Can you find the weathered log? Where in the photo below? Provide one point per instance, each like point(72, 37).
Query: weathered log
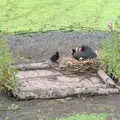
point(46, 84)
point(33, 66)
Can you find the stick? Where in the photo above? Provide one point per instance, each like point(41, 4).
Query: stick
point(106, 79)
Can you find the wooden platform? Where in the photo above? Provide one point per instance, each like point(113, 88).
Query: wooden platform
point(46, 83)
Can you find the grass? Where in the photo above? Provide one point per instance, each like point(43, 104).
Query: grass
point(110, 55)
point(44, 15)
point(86, 117)
point(7, 73)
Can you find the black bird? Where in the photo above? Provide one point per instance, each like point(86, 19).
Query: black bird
point(55, 57)
point(83, 52)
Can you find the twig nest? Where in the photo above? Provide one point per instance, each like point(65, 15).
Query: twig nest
point(69, 65)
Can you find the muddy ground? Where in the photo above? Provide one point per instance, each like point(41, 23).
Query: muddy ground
point(50, 109)
point(40, 46)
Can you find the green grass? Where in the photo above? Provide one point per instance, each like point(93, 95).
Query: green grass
point(86, 117)
point(7, 72)
point(110, 55)
point(44, 15)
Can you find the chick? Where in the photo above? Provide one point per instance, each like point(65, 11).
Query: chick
point(55, 57)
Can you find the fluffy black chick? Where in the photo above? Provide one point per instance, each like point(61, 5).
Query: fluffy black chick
point(55, 57)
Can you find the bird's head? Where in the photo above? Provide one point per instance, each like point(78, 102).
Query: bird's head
point(73, 51)
point(57, 53)
point(82, 48)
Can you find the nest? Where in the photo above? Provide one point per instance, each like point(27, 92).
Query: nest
point(70, 65)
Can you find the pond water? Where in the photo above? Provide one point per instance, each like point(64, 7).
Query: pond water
point(40, 46)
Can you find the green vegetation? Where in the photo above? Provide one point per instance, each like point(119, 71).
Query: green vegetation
point(110, 55)
point(86, 117)
point(7, 73)
point(44, 15)
point(117, 24)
